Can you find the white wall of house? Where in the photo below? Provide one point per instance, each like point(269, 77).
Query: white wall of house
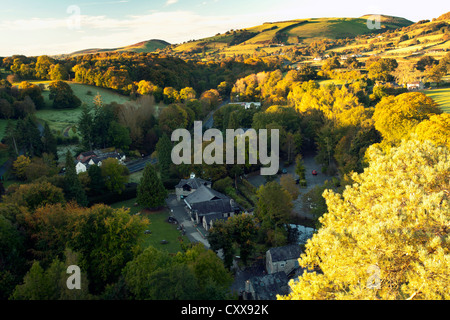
point(80, 167)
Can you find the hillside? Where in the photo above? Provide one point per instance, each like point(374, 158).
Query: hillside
point(144, 46)
point(285, 33)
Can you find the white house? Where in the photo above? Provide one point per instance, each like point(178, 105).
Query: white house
point(80, 167)
point(417, 85)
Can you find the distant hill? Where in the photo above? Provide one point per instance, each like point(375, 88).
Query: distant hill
point(290, 32)
point(144, 46)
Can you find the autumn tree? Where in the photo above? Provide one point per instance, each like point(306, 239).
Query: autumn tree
point(382, 69)
point(384, 237)
point(396, 116)
point(435, 129)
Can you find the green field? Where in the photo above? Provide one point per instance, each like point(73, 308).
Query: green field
point(64, 119)
point(160, 228)
point(441, 96)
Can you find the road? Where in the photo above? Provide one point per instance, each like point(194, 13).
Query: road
point(209, 122)
point(178, 211)
point(312, 181)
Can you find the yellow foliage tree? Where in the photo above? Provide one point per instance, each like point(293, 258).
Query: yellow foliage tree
point(20, 166)
point(397, 116)
point(387, 235)
point(436, 129)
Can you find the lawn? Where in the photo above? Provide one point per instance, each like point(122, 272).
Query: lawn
point(159, 227)
point(441, 96)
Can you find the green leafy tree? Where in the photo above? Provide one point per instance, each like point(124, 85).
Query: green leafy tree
point(151, 192)
point(49, 142)
point(62, 95)
point(115, 175)
point(273, 209)
point(119, 136)
point(12, 257)
point(85, 123)
point(164, 150)
point(104, 227)
point(97, 183)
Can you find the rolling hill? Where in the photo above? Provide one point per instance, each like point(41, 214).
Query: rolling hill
point(144, 46)
point(293, 32)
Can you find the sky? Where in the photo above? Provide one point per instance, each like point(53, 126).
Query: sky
point(32, 27)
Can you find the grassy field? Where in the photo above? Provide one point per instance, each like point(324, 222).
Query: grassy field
point(64, 119)
point(441, 96)
point(159, 227)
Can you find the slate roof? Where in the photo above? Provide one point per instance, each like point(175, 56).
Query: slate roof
point(213, 216)
point(288, 252)
point(267, 287)
point(205, 200)
point(193, 183)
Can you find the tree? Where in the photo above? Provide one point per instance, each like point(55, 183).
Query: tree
point(62, 95)
point(104, 227)
point(384, 237)
point(33, 91)
point(85, 127)
point(273, 209)
point(287, 181)
point(300, 167)
point(220, 237)
point(97, 182)
point(12, 253)
point(114, 174)
point(119, 136)
point(436, 129)
point(20, 165)
point(381, 69)
point(396, 116)
point(73, 189)
point(435, 72)
point(50, 283)
point(187, 94)
point(43, 66)
point(49, 142)
point(137, 272)
point(164, 150)
point(151, 192)
point(35, 195)
point(58, 72)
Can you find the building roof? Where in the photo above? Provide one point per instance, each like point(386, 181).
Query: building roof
point(193, 183)
point(288, 252)
point(206, 200)
point(267, 287)
point(213, 216)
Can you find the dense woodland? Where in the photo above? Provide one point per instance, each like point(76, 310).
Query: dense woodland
point(387, 148)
